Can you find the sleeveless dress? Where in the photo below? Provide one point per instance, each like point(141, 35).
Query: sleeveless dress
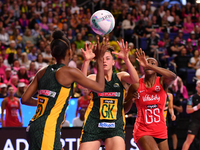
point(104, 117)
point(150, 116)
point(11, 118)
point(44, 128)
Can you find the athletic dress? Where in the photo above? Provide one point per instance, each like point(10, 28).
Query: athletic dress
point(150, 116)
point(194, 124)
point(11, 118)
point(44, 128)
point(105, 117)
point(84, 103)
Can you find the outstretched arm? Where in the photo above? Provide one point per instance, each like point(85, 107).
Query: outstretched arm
point(167, 76)
point(3, 106)
point(88, 56)
point(132, 77)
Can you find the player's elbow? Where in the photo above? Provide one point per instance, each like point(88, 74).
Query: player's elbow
point(23, 100)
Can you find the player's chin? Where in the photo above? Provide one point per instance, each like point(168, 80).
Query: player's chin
point(149, 72)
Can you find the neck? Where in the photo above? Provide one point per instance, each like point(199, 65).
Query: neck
point(150, 80)
point(108, 75)
point(11, 97)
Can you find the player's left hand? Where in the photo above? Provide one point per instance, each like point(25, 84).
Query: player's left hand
point(124, 49)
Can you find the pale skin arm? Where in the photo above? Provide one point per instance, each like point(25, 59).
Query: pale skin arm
point(132, 77)
point(170, 106)
point(190, 110)
point(3, 106)
point(20, 113)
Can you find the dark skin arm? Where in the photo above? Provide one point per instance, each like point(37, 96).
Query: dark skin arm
point(167, 76)
point(130, 97)
point(66, 76)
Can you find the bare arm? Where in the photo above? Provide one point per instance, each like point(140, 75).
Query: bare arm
point(132, 77)
point(3, 106)
point(167, 76)
point(191, 109)
point(170, 106)
point(130, 97)
point(27, 98)
point(20, 113)
point(178, 108)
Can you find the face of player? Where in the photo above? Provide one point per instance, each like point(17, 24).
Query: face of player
point(198, 88)
point(108, 61)
point(151, 61)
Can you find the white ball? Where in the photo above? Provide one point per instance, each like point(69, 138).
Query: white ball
point(102, 22)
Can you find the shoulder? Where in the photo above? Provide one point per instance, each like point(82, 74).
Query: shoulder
point(170, 95)
point(122, 74)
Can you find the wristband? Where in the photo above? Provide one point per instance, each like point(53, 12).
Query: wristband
point(195, 108)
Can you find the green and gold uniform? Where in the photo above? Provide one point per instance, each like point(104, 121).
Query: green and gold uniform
point(105, 117)
point(44, 128)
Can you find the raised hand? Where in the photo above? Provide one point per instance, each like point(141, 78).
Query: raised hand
point(88, 52)
point(123, 54)
point(100, 49)
point(141, 58)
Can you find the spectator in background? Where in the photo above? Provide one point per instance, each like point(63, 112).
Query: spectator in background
point(11, 104)
point(22, 74)
point(14, 82)
point(79, 42)
point(152, 45)
point(24, 60)
point(47, 57)
point(40, 62)
point(188, 26)
point(15, 67)
point(128, 25)
point(2, 67)
point(28, 37)
point(83, 101)
point(78, 121)
point(20, 90)
point(32, 70)
point(4, 37)
point(195, 60)
point(43, 25)
point(175, 47)
point(3, 53)
point(17, 37)
point(181, 39)
point(7, 76)
point(9, 62)
point(32, 56)
point(3, 92)
point(177, 25)
point(189, 47)
point(179, 89)
point(24, 22)
point(182, 61)
point(193, 108)
point(72, 63)
point(11, 48)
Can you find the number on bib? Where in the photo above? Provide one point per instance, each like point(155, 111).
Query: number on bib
point(152, 115)
point(41, 105)
point(108, 108)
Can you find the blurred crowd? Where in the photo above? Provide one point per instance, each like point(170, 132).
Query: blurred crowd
point(26, 27)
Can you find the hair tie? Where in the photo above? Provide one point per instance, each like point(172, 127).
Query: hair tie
point(64, 42)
